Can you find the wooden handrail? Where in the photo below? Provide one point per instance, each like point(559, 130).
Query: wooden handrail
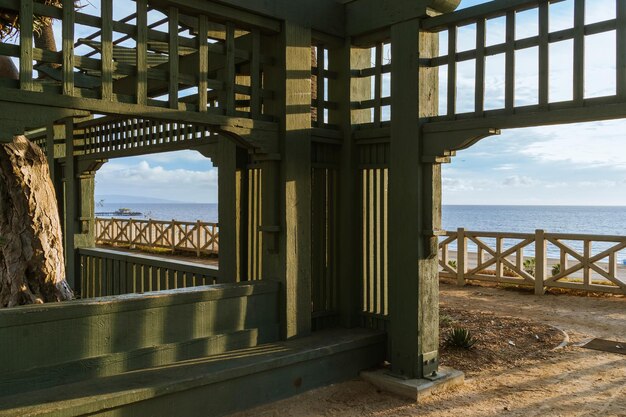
point(575, 266)
point(193, 237)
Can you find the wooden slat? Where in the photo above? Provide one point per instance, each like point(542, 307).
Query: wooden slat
point(255, 75)
point(26, 45)
point(452, 32)
point(579, 51)
point(68, 48)
point(378, 84)
point(107, 49)
point(142, 52)
point(173, 62)
point(509, 86)
point(203, 63)
point(320, 85)
point(229, 88)
point(479, 91)
point(621, 49)
point(544, 54)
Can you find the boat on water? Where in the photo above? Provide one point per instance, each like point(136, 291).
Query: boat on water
point(126, 212)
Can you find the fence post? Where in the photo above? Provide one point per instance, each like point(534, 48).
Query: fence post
point(131, 233)
point(541, 262)
point(198, 238)
point(173, 235)
point(461, 256)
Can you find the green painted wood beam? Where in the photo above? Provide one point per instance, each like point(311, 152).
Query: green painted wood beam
point(323, 15)
point(222, 12)
point(364, 16)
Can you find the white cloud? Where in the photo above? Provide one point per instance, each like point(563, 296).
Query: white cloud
point(143, 179)
point(583, 145)
point(519, 181)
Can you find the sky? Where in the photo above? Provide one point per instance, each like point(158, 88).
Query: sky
point(579, 164)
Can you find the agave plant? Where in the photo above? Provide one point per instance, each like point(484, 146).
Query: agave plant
point(460, 338)
point(10, 21)
point(529, 266)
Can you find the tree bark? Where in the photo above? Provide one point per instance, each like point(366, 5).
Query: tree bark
point(32, 265)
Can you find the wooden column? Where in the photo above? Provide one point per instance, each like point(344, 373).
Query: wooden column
point(286, 192)
point(414, 207)
point(344, 91)
point(241, 196)
point(296, 181)
point(70, 194)
point(227, 208)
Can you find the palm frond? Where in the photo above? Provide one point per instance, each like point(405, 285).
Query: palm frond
point(10, 20)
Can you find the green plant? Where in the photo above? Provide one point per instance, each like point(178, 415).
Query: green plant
point(445, 320)
point(556, 269)
point(460, 338)
point(529, 266)
point(452, 264)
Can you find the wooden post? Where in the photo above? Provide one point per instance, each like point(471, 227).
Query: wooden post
point(227, 208)
point(241, 198)
point(70, 208)
point(26, 45)
point(286, 193)
point(173, 242)
point(414, 207)
point(344, 91)
point(461, 257)
point(68, 48)
point(198, 235)
point(107, 49)
point(142, 52)
point(541, 262)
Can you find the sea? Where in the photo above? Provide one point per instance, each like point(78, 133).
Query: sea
point(595, 220)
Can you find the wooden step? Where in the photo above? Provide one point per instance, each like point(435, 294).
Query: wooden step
point(117, 363)
point(211, 386)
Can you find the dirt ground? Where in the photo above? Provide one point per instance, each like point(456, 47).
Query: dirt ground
point(567, 382)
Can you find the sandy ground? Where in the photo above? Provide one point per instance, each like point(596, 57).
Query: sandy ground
point(570, 382)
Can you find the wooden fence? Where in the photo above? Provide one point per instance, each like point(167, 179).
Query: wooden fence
point(502, 257)
point(196, 237)
point(108, 272)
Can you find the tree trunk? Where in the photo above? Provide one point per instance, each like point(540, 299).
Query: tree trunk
point(32, 266)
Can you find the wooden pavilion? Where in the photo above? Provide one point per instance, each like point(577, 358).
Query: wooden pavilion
point(323, 118)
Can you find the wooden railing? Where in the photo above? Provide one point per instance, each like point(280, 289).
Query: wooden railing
point(195, 237)
point(108, 272)
point(540, 260)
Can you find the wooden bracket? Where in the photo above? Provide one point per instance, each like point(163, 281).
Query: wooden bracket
point(438, 147)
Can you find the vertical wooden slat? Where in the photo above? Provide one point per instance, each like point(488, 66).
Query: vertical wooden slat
point(378, 82)
point(142, 52)
point(385, 209)
point(203, 62)
point(586, 269)
point(452, 31)
point(579, 51)
point(621, 49)
point(68, 48)
point(479, 90)
point(364, 227)
point(230, 69)
point(173, 62)
point(320, 85)
point(107, 49)
point(509, 87)
point(379, 240)
point(541, 261)
point(255, 75)
point(70, 206)
point(544, 54)
point(26, 45)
